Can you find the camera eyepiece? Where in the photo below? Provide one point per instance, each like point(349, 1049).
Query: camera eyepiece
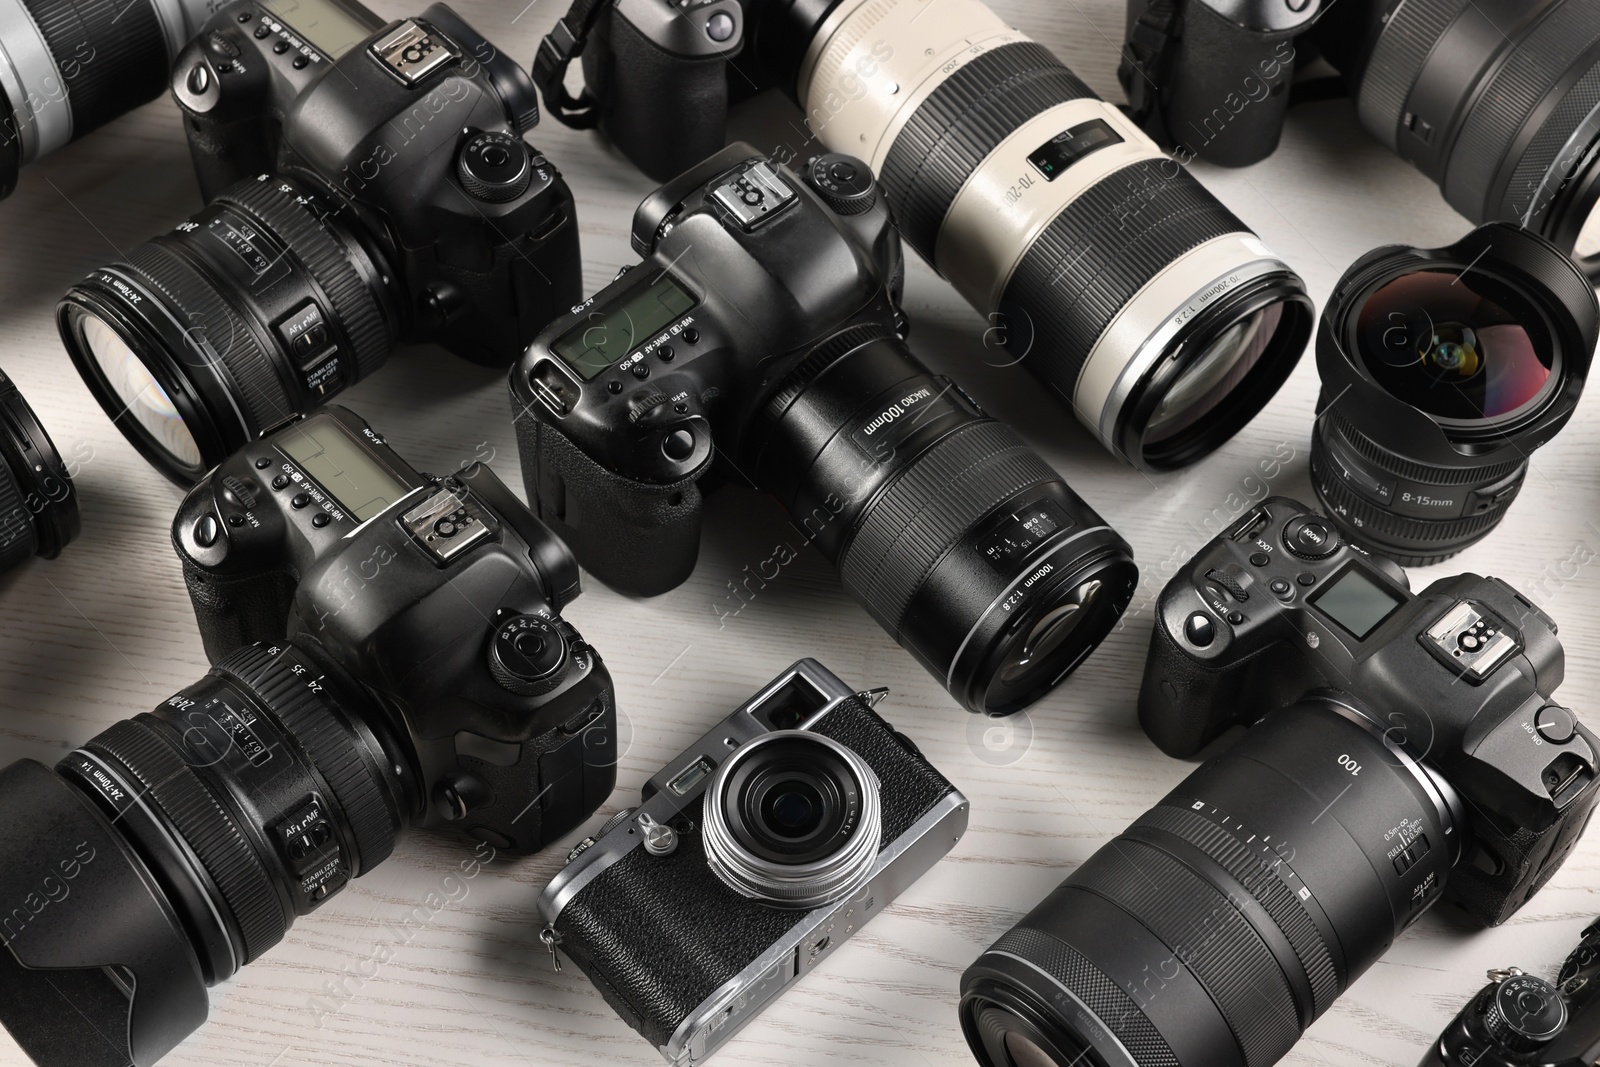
point(1442, 371)
point(38, 503)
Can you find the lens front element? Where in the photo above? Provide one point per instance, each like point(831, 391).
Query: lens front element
point(142, 397)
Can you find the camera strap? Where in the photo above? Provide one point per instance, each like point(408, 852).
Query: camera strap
point(559, 48)
point(1143, 69)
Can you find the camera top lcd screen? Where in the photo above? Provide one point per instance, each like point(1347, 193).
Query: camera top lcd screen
point(345, 470)
point(328, 27)
point(1356, 602)
point(606, 335)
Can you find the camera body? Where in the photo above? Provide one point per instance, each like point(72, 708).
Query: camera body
point(688, 957)
point(436, 597)
point(614, 460)
point(411, 134)
point(1211, 77)
point(1519, 1020)
point(1457, 676)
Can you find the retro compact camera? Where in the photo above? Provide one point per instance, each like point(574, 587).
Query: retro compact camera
point(750, 858)
point(763, 327)
point(1520, 1020)
point(1421, 757)
point(388, 654)
point(367, 185)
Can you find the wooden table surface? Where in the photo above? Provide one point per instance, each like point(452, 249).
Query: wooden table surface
point(106, 631)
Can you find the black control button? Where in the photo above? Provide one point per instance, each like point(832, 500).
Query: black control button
point(678, 445)
point(1310, 538)
point(640, 370)
point(262, 31)
point(235, 520)
point(1200, 630)
point(1259, 559)
point(1236, 617)
point(280, 482)
point(300, 62)
point(691, 336)
point(245, 16)
point(199, 79)
point(1280, 586)
point(665, 353)
point(263, 463)
point(225, 67)
point(614, 386)
point(1555, 724)
point(720, 27)
point(280, 47)
point(300, 500)
point(206, 531)
point(1306, 578)
point(320, 519)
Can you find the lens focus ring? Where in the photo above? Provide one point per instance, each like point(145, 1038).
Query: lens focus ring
point(110, 56)
point(17, 537)
point(1396, 61)
point(202, 821)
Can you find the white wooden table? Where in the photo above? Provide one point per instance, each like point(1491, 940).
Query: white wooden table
point(106, 631)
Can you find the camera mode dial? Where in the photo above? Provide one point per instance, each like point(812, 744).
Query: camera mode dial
point(494, 166)
point(1524, 1013)
point(528, 655)
point(844, 183)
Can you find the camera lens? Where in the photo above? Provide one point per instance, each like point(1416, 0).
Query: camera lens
point(187, 840)
point(260, 307)
point(793, 818)
point(1499, 103)
point(956, 536)
point(1229, 917)
point(1442, 371)
point(1103, 267)
point(38, 504)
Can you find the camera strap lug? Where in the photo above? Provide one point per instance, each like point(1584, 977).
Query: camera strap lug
point(559, 48)
point(873, 697)
point(552, 939)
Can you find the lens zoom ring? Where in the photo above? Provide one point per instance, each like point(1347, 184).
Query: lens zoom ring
point(961, 122)
point(1228, 958)
point(202, 821)
point(111, 55)
point(1533, 175)
point(1099, 994)
point(1538, 61)
point(927, 510)
point(204, 314)
point(355, 310)
point(330, 746)
point(1093, 258)
point(1369, 450)
point(1258, 878)
point(18, 540)
point(1396, 61)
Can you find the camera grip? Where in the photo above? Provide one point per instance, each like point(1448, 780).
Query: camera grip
point(665, 112)
point(234, 612)
point(1501, 870)
point(638, 538)
point(227, 152)
point(1185, 705)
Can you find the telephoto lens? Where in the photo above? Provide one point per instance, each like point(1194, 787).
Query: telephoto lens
point(1229, 917)
point(1103, 265)
point(1442, 371)
point(70, 66)
point(38, 503)
point(1498, 101)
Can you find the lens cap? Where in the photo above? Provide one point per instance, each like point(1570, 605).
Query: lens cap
point(98, 971)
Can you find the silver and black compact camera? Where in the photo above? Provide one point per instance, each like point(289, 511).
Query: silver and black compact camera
point(750, 857)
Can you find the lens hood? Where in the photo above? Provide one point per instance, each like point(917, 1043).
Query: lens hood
point(88, 934)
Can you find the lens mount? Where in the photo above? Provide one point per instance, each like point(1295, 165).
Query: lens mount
point(793, 818)
point(38, 502)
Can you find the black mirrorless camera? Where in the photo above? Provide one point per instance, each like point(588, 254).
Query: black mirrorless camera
point(1421, 756)
point(1520, 1020)
point(763, 328)
point(387, 654)
point(750, 858)
point(367, 184)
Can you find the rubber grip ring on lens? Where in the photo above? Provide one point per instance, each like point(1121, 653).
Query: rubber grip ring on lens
point(204, 823)
point(926, 511)
point(1397, 59)
point(125, 65)
point(330, 746)
point(18, 538)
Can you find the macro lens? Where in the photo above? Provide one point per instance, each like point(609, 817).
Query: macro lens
point(260, 307)
point(1498, 101)
point(1442, 371)
point(70, 66)
point(1229, 917)
point(186, 840)
point(1103, 266)
point(956, 536)
point(38, 505)
point(793, 818)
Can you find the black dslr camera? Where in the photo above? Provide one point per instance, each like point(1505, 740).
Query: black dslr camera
point(1520, 1020)
point(750, 857)
point(367, 185)
point(1420, 757)
point(387, 655)
point(763, 327)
